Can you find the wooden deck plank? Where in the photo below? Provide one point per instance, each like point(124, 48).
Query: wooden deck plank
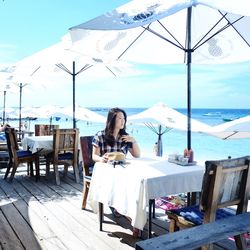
point(18, 224)
point(8, 239)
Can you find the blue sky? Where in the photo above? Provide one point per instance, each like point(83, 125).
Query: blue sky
point(28, 26)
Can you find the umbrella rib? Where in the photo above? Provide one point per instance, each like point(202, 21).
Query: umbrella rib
point(200, 43)
point(235, 132)
point(170, 34)
point(131, 44)
point(164, 38)
point(110, 70)
point(150, 126)
point(219, 31)
point(35, 71)
point(64, 68)
point(85, 67)
point(232, 25)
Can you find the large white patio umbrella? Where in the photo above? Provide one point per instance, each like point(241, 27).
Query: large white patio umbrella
point(170, 31)
point(236, 129)
point(49, 65)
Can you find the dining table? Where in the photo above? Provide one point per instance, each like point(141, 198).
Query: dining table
point(42, 144)
point(131, 187)
point(38, 143)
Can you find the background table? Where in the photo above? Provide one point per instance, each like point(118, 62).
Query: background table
point(129, 188)
point(36, 143)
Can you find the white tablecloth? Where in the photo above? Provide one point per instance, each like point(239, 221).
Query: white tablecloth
point(36, 143)
point(129, 188)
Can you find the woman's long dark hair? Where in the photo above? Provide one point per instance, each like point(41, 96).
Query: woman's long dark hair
point(110, 125)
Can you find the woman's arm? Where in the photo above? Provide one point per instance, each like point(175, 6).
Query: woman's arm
point(135, 150)
point(96, 155)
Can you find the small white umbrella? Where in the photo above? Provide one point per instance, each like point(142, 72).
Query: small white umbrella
point(82, 114)
point(168, 118)
point(236, 129)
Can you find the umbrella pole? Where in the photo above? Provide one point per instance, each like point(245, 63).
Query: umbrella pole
point(20, 108)
point(74, 78)
point(159, 143)
point(189, 61)
point(4, 100)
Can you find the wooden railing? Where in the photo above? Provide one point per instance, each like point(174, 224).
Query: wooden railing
point(200, 235)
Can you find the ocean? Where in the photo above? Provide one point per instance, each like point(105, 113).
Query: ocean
point(205, 147)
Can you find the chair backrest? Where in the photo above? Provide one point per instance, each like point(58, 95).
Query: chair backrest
point(65, 140)
point(44, 129)
point(12, 143)
point(225, 183)
point(86, 149)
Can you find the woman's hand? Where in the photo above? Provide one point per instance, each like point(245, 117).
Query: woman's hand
point(135, 150)
point(104, 158)
point(128, 138)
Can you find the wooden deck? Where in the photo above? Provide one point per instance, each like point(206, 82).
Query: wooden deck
point(42, 215)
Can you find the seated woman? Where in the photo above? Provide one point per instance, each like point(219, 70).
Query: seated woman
point(114, 138)
point(2, 131)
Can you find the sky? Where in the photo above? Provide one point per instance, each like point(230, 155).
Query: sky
point(28, 26)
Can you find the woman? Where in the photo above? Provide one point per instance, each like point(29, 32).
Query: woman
point(114, 138)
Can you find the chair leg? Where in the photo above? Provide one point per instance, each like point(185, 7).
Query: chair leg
point(14, 167)
point(8, 169)
point(85, 194)
point(57, 174)
point(65, 172)
point(30, 167)
point(173, 226)
point(47, 168)
point(240, 242)
point(37, 165)
point(76, 170)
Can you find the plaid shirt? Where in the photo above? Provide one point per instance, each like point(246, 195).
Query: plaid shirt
point(119, 145)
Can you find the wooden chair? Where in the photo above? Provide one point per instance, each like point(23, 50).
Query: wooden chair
point(88, 164)
point(225, 183)
point(16, 156)
point(65, 152)
point(44, 129)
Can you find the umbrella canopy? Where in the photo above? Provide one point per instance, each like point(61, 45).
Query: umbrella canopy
point(236, 129)
point(168, 117)
point(176, 31)
point(82, 114)
point(49, 67)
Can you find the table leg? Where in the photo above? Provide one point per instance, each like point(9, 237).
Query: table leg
point(154, 209)
point(100, 214)
point(150, 204)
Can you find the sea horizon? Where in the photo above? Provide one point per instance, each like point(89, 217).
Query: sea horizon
point(205, 147)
